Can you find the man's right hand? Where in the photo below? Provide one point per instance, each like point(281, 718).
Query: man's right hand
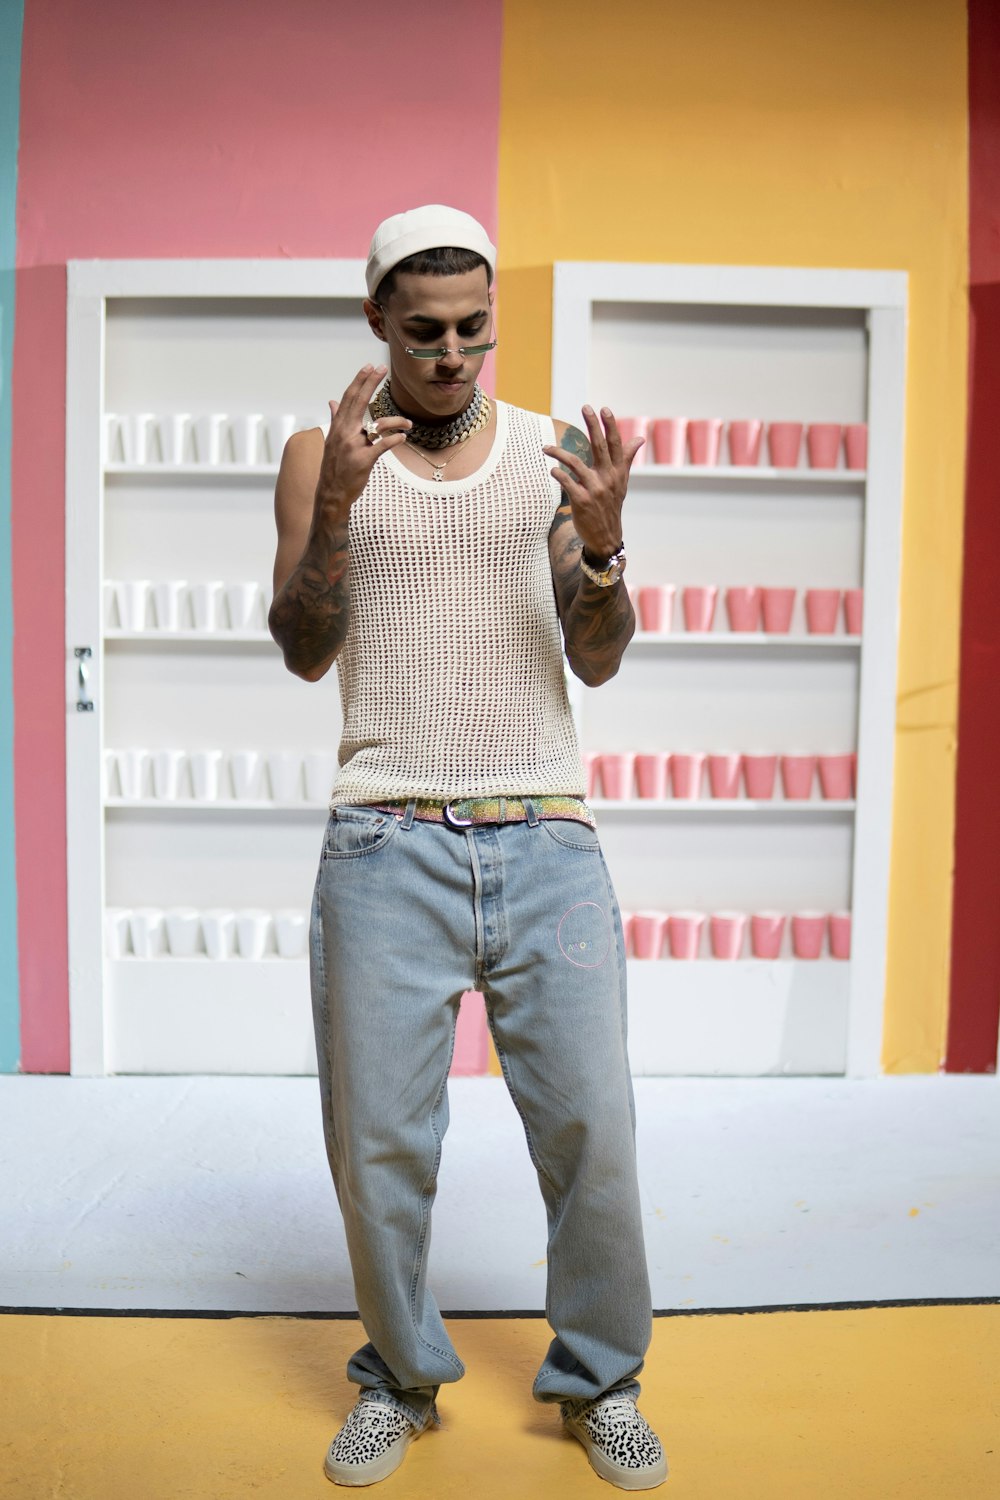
point(317, 485)
point(348, 453)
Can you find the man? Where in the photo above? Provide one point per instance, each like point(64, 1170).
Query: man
point(426, 547)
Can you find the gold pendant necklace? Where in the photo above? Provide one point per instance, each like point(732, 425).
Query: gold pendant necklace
point(436, 464)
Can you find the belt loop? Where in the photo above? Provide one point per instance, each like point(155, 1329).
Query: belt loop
point(529, 812)
point(411, 808)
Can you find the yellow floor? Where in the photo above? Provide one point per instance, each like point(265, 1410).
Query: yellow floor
point(868, 1404)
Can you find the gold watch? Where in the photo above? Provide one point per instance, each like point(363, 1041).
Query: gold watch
point(611, 571)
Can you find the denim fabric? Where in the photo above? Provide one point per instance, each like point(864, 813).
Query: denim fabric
point(406, 916)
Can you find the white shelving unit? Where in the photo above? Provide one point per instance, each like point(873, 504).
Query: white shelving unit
point(778, 344)
point(197, 337)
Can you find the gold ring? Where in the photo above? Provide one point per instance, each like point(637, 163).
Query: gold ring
point(371, 432)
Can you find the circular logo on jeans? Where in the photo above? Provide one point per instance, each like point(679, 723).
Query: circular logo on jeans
point(584, 935)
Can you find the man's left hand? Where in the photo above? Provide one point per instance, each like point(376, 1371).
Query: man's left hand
point(596, 489)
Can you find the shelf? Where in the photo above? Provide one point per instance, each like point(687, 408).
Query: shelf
point(193, 471)
point(699, 640)
point(682, 806)
point(738, 473)
point(723, 806)
point(184, 637)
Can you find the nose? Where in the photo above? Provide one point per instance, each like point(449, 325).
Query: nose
point(454, 359)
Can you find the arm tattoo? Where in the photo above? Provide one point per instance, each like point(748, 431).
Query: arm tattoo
point(310, 612)
point(597, 623)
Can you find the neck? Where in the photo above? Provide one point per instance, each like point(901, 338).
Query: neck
point(425, 419)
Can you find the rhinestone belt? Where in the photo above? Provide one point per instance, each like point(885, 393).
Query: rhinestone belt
point(466, 812)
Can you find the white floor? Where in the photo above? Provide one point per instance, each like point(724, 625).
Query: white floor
point(213, 1193)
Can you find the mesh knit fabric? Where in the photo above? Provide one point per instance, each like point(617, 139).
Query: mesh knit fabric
point(451, 674)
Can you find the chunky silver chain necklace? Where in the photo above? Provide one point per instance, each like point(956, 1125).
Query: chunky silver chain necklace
point(473, 419)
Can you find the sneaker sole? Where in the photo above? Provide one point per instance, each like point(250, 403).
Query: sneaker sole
point(624, 1479)
point(373, 1472)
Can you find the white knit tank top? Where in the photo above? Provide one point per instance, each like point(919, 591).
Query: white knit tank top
point(451, 673)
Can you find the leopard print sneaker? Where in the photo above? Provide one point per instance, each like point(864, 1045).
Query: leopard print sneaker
point(621, 1445)
point(371, 1443)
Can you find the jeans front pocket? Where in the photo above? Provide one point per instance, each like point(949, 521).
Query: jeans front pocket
point(572, 834)
point(356, 831)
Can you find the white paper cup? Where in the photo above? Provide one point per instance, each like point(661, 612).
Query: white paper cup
point(219, 928)
point(284, 771)
point(183, 924)
point(211, 437)
point(290, 928)
point(109, 605)
point(182, 446)
point(167, 768)
point(133, 773)
point(148, 440)
point(206, 604)
point(248, 435)
point(320, 768)
point(253, 927)
point(117, 439)
point(146, 928)
point(112, 786)
point(246, 767)
point(206, 774)
point(117, 932)
point(168, 603)
point(279, 430)
point(242, 599)
point(132, 599)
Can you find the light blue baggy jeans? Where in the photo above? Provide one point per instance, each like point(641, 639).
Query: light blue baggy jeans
point(407, 915)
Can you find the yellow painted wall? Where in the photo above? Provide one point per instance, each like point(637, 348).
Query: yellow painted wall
point(786, 132)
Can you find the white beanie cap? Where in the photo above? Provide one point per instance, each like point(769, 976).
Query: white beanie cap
point(431, 227)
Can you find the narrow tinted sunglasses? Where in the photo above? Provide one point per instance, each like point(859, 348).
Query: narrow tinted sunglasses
point(442, 350)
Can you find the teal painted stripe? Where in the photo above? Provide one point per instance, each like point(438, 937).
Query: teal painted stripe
point(11, 31)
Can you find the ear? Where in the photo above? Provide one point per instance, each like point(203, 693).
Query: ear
point(374, 315)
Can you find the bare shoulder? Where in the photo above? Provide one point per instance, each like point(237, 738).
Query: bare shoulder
point(298, 472)
point(573, 440)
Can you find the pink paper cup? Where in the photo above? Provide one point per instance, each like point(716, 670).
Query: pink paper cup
point(808, 932)
point(835, 777)
point(704, 439)
point(777, 607)
point(854, 601)
point(616, 774)
point(627, 919)
point(743, 606)
point(840, 934)
point(759, 774)
point(767, 932)
point(823, 444)
point(727, 929)
point(685, 775)
point(822, 609)
point(724, 775)
point(669, 440)
point(684, 933)
point(854, 773)
point(651, 774)
point(656, 607)
point(591, 772)
point(856, 445)
point(699, 607)
point(647, 933)
point(797, 775)
point(784, 444)
point(744, 443)
point(634, 427)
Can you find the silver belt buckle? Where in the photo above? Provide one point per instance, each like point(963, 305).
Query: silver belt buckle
point(452, 820)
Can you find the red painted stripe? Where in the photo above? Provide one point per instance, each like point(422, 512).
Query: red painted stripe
point(975, 964)
point(239, 128)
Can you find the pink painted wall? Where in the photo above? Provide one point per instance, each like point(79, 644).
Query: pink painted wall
point(238, 128)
